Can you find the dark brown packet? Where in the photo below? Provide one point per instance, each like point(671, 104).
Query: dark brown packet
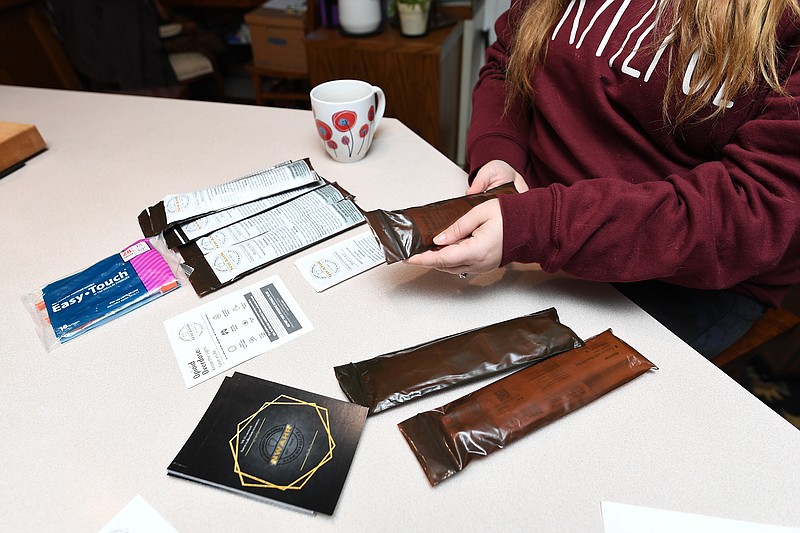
point(411, 231)
point(397, 377)
point(446, 439)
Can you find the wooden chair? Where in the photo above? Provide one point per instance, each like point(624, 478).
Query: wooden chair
point(279, 87)
point(30, 52)
point(33, 54)
point(191, 59)
point(774, 339)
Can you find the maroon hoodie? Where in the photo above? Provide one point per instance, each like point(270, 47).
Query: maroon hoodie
point(616, 194)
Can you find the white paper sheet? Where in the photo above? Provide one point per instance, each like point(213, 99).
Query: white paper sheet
point(341, 261)
point(215, 337)
point(267, 182)
point(138, 517)
point(626, 518)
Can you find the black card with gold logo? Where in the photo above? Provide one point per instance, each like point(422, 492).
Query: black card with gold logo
point(272, 441)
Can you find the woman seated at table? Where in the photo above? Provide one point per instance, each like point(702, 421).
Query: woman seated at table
point(655, 144)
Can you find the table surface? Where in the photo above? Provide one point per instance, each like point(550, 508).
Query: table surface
point(95, 422)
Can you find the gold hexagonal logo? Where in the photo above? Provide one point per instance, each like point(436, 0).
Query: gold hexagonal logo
point(282, 445)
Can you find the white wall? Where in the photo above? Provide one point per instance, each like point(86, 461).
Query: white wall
point(472, 59)
point(493, 9)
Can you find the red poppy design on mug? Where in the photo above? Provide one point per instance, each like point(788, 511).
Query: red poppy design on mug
point(344, 120)
point(325, 131)
point(346, 142)
point(363, 132)
point(333, 146)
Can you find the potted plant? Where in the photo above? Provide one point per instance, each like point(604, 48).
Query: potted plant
point(413, 16)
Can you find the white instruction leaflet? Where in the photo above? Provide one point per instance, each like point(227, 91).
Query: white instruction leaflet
point(199, 227)
point(261, 239)
point(341, 261)
point(138, 516)
point(267, 182)
point(627, 518)
point(217, 336)
point(308, 218)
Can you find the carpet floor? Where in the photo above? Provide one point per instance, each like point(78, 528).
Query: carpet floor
point(782, 395)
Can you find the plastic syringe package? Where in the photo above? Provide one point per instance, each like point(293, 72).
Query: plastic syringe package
point(118, 284)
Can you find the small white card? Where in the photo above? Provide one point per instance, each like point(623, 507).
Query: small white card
point(217, 336)
point(341, 261)
point(626, 518)
point(138, 517)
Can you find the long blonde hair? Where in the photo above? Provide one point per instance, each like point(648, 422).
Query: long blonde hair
point(735, 39)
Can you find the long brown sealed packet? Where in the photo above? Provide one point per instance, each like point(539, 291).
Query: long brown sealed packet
point(447, 439)
point(397, 377)
point(411, 231)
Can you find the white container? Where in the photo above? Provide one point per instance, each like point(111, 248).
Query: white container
point(359, 17)
point(413, 19)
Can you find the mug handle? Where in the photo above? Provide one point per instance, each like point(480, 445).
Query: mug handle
point(378, 93)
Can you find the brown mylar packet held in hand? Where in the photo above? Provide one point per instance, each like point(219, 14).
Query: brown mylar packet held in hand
point(397, 377)
point(411, 231)
point(446, 439)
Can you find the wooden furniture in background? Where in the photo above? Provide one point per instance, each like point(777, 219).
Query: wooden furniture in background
point(275, 87)
point(30, 52)
point(419, 76)
point(774, 338)
point(191, 59)
point(225, 4)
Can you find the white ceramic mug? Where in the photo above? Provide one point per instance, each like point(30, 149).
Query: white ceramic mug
point(347, 113)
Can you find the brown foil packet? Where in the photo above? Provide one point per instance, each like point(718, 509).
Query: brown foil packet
point(411, 231)
point(446, 439)
point(397, 377)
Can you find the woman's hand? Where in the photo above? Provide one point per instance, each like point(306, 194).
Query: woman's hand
point(496, 173)
point(474, 243)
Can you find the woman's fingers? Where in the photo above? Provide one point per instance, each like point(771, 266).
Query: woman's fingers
point(474, 243)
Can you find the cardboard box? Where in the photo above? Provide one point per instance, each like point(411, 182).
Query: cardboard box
point(277, 39)
point(18, 142)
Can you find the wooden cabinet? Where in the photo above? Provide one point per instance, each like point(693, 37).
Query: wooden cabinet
point(420, 76)
point(225, 4)
point(30, 52)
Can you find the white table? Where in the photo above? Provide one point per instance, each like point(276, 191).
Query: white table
point(90, 425)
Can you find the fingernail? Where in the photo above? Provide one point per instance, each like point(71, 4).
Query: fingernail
point(440, 239)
